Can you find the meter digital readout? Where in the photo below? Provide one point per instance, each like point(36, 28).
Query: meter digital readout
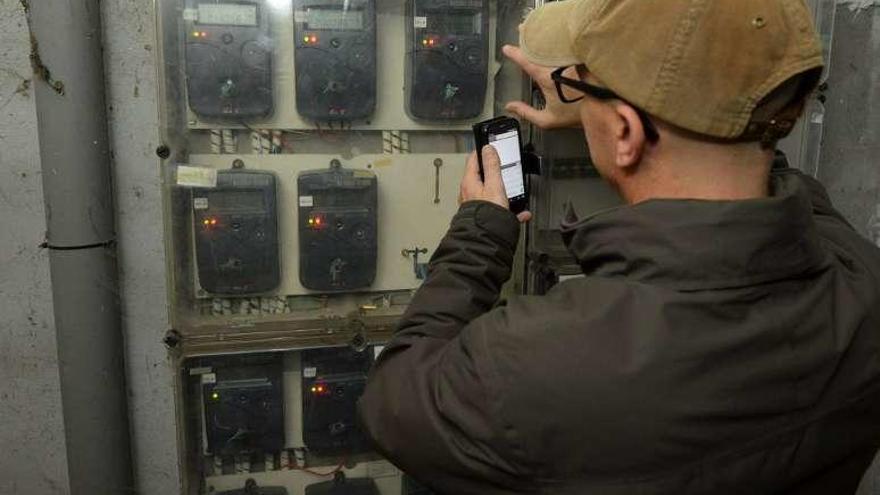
point(226, 14)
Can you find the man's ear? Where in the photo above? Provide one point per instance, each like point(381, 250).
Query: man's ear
point(629, 137)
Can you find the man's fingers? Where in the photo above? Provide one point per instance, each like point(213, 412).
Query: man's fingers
point(517, 56)
point(472, 169)
point(492, 170)
point(471, 184)
point(524, 217)
point(530, 113)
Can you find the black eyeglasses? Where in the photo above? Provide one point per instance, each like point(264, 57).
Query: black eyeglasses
point(600, 94)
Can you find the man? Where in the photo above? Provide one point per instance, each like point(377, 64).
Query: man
point(726, 337)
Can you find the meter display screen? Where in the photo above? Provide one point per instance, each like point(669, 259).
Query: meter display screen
point(461, 24)
point(335, 19)
point(239, 200)
point(228, 14)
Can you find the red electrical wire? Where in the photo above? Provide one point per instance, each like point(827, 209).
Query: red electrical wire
point(292, 465)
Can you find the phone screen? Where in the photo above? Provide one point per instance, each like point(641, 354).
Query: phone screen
point(507, 146)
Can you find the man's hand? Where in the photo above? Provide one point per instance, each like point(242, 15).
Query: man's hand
point(555, 113)
point(492, 188)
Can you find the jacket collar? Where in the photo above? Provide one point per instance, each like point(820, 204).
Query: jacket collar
point(697, 245)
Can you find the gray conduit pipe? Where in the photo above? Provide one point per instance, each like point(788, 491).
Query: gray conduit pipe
point(67, 57)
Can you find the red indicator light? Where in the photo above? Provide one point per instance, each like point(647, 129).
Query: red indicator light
point(314, 39)
point(213, 221)
point(318, 221)
point(432, 41)
point(204, 34)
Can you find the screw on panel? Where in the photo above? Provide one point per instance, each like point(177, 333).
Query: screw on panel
point(358, 342)
point(238, 163)
point(163, 152)
point(172, 338)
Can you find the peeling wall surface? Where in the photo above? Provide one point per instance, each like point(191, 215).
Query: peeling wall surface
point(31, 427)
point(854, 5)
point(850, 158)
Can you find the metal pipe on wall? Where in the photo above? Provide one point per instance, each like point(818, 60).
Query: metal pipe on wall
point(67, 57)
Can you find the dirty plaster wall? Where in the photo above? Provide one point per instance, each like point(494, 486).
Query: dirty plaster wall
point(31, 427)
point(849, 163)
point(130, 58)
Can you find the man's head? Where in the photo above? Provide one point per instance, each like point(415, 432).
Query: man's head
point(661, 83)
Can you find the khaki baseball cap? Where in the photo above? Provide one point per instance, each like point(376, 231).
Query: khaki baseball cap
point(708, 66)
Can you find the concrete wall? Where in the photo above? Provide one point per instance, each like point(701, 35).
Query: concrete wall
point(31, 429)
point(849, 164)
point(130, 58)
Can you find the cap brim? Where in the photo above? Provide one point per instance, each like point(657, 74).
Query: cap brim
point(545, 36)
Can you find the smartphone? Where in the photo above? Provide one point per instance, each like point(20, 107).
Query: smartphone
point(503, 134)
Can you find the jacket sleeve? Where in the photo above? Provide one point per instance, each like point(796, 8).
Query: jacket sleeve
point(430, 405)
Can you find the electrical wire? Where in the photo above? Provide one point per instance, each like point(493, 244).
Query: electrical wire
point(332, 136)
point(229, 144)
point(337, 469)
point(395, 142)
point(216, 141)
point(276, 142)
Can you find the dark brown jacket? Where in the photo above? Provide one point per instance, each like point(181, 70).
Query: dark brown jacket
point(713, 347)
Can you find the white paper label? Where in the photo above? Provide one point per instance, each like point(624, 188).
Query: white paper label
point(190, 14)
point(306, 201)
point(196, 176)
point(420, 22)
point(310, 372)
point(300, 16)
point(208, 378)
point(200, 203)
